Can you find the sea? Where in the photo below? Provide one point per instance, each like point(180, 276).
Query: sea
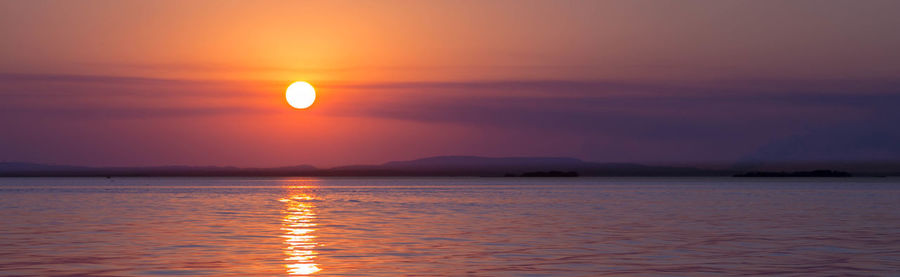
point(449, 226)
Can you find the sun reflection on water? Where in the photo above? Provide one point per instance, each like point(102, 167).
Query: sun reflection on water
point(298, 226)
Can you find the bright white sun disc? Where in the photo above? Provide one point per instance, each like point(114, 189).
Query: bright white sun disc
point(300, 95)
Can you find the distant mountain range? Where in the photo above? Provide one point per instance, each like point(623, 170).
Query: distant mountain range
point(433, 166)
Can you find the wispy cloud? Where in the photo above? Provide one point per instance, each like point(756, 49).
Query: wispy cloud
point(707, 118)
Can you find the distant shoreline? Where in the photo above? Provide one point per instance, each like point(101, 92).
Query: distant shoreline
point(442, 176)
point(441, 166)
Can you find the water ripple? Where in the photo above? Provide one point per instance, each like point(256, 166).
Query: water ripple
point(447, 227)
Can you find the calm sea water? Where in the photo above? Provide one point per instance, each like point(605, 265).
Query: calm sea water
point(449, 227)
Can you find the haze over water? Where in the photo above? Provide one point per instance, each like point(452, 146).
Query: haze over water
point(443, 226)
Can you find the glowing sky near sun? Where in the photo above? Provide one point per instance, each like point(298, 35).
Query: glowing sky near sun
point(202, 82)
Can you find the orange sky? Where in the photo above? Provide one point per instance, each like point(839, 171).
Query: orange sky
point(201, 82)
point(376, 41)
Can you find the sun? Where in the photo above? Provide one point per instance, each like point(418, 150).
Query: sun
point(300, 95)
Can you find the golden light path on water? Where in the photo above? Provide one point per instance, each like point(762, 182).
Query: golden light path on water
point(299, 226)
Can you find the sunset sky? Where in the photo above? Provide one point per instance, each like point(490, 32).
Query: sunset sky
point(135, 83)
